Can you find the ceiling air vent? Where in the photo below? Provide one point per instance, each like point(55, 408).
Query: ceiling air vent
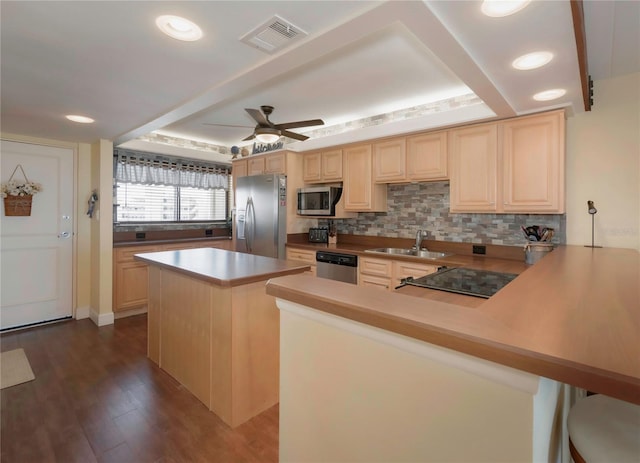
point(273, 35)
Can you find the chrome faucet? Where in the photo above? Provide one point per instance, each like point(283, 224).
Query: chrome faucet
point(420, 235)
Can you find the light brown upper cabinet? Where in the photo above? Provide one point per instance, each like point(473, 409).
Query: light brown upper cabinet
point(322, 167)
point(427, 157)
point(418, 158)
point(390, 161)
point(255, 165)
point(473, 158)
point(513, 166)
point(533, 149)
point(239, 168)
point(275, 163)
point(360, 193)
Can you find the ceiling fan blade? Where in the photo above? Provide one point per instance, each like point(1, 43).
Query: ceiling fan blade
point(258, 116)
point(227, 125)
point(294, 125)
point(250, 137)
point(296, 136)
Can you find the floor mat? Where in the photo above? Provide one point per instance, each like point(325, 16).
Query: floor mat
point(14, 368)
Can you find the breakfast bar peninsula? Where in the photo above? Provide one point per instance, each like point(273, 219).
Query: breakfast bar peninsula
point(212, 326)
point(370, 375)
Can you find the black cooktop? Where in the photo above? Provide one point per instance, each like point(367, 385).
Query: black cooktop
point(471, 282)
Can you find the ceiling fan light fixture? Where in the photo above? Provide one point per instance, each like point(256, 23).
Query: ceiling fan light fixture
point(267, 135)
point(532, 60)
point(179, 28)
point(502, 8)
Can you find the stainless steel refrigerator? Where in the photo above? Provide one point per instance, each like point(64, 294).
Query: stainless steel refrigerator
point(261, 215)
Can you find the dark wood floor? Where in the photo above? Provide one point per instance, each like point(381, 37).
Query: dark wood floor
point(96, 397)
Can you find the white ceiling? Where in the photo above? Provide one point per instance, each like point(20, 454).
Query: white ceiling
point(107, 60)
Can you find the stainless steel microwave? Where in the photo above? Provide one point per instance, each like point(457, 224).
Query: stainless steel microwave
point(320, 200)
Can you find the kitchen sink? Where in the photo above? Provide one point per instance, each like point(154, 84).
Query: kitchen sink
point(421, 253)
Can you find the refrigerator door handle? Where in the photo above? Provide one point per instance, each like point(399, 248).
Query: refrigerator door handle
point(250, 220)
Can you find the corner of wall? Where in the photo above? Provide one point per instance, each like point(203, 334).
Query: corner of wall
point(83, 312)
point(102, 232)
point(101, 319)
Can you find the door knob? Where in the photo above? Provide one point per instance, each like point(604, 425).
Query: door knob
point(64, 235)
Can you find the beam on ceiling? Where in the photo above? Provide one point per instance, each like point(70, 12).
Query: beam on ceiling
point(577, 12)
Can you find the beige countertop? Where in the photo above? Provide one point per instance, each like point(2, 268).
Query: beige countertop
point(573, 317)
point(222, 268)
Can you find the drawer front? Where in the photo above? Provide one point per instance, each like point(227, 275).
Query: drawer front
point(126, 254)
point(404, 270)
point(305, 256)
point(377, 267)
point(375, 282)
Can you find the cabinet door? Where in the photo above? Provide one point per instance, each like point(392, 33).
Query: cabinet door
point(427, 157)
point(357, 186)
point(360, 193)
point(533, 164)
point(275, 164)
point(389, 161)
point(131, 280)
point(332, 166)
point(239, 168)
point(312, 167)
point(255, 166)
point(473, 160)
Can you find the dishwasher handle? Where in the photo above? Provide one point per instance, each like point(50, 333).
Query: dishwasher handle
point(348, 260)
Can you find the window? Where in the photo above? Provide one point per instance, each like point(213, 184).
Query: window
point(152, 190)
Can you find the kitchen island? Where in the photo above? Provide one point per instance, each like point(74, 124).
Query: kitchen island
point(214, 329)
point(413, 379)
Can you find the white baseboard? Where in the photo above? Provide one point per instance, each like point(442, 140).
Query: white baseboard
point(101, 319)
point(83, 312)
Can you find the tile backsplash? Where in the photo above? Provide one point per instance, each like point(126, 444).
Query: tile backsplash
point(426, 206)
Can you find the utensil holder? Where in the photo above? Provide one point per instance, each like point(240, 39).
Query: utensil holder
point(533, 251)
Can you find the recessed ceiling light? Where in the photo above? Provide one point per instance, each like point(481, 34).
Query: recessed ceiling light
point(81, 119)
point(549, 94)
point(500, 8)
point(532, 60)
point(179, 28)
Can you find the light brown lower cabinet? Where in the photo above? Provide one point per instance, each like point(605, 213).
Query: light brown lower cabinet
point(387, 274)
point(303, 255)
point(131, 277)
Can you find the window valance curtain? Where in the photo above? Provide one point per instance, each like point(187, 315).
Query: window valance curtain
point(149, 169)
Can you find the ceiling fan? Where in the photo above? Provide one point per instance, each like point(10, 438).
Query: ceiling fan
point(268, 132)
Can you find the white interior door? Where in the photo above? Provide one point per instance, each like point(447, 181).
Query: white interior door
point(36, 251)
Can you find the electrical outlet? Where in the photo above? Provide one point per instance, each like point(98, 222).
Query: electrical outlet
point(140, 235)
point(208, 232)
point(479, 249)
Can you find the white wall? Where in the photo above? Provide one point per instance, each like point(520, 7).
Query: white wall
point(603, 165)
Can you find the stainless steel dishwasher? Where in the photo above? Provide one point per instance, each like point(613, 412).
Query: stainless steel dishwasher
point(336, 266)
